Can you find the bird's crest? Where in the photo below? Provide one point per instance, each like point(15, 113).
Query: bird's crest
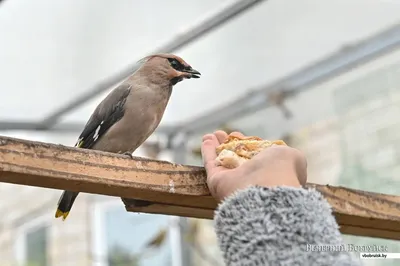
point(162, 55)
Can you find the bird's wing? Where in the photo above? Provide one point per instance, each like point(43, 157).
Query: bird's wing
point(107, 113)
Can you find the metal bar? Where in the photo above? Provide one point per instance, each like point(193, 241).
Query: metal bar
point(25, 125)
point(205, 25)
point(179, 154)
point(340, 62)
point(61, 127)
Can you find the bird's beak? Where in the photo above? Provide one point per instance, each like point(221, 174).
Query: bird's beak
point(191, 73)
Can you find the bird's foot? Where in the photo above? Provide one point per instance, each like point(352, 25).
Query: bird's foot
point(136, 203)
point(128, 154)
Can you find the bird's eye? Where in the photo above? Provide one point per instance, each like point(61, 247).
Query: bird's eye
point(174, 63)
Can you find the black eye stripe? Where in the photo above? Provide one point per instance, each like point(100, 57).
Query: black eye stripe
point(176, 64)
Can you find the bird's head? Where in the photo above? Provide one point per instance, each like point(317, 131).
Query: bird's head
point(169, 66)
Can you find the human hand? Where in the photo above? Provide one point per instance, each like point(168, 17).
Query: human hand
point(275, 166)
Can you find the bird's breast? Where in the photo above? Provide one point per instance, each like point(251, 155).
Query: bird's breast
point(142, 125)
point(142, 116)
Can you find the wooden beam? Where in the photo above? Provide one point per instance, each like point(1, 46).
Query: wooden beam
point(363, 213)
point(176, 189)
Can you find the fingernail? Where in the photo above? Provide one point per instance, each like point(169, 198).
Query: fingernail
point(207, 137)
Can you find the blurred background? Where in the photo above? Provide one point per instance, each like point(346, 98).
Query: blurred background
point(323, 75)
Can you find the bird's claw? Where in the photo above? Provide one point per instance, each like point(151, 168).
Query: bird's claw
point(128, 154)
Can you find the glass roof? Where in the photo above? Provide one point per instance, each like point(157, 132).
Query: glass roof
point(59, 50)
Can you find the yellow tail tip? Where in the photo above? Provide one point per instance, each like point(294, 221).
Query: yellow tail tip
point(61, 214)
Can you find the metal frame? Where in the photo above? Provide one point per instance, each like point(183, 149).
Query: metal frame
point(27, 125)
point(21, 232)
point(345, 59)
point(179, 156)
point(336, 64)
point(212, 21)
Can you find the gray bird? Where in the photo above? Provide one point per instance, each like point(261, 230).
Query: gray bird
point(131, 112)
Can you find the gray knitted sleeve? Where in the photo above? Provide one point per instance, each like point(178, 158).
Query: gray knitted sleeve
point(277, 226)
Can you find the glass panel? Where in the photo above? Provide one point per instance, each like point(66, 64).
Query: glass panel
point(36, 247)
point(127, 235)
point(53, 49)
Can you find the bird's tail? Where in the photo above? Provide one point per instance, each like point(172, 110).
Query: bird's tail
point(65, 204)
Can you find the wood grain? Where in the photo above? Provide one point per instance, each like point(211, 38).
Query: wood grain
point(176, 189)
point(363, 213)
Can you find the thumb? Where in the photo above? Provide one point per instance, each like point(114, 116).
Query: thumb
point(209, 154)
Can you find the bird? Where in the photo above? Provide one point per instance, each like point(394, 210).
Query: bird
point(131, 112)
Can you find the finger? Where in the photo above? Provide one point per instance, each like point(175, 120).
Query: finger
point(236, 133)
point(210, 142)
point(207, 137)
point(221, 136)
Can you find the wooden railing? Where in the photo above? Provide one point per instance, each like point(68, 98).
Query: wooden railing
point(176, 189)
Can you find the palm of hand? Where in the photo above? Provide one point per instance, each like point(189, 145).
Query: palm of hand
point(275, 166)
